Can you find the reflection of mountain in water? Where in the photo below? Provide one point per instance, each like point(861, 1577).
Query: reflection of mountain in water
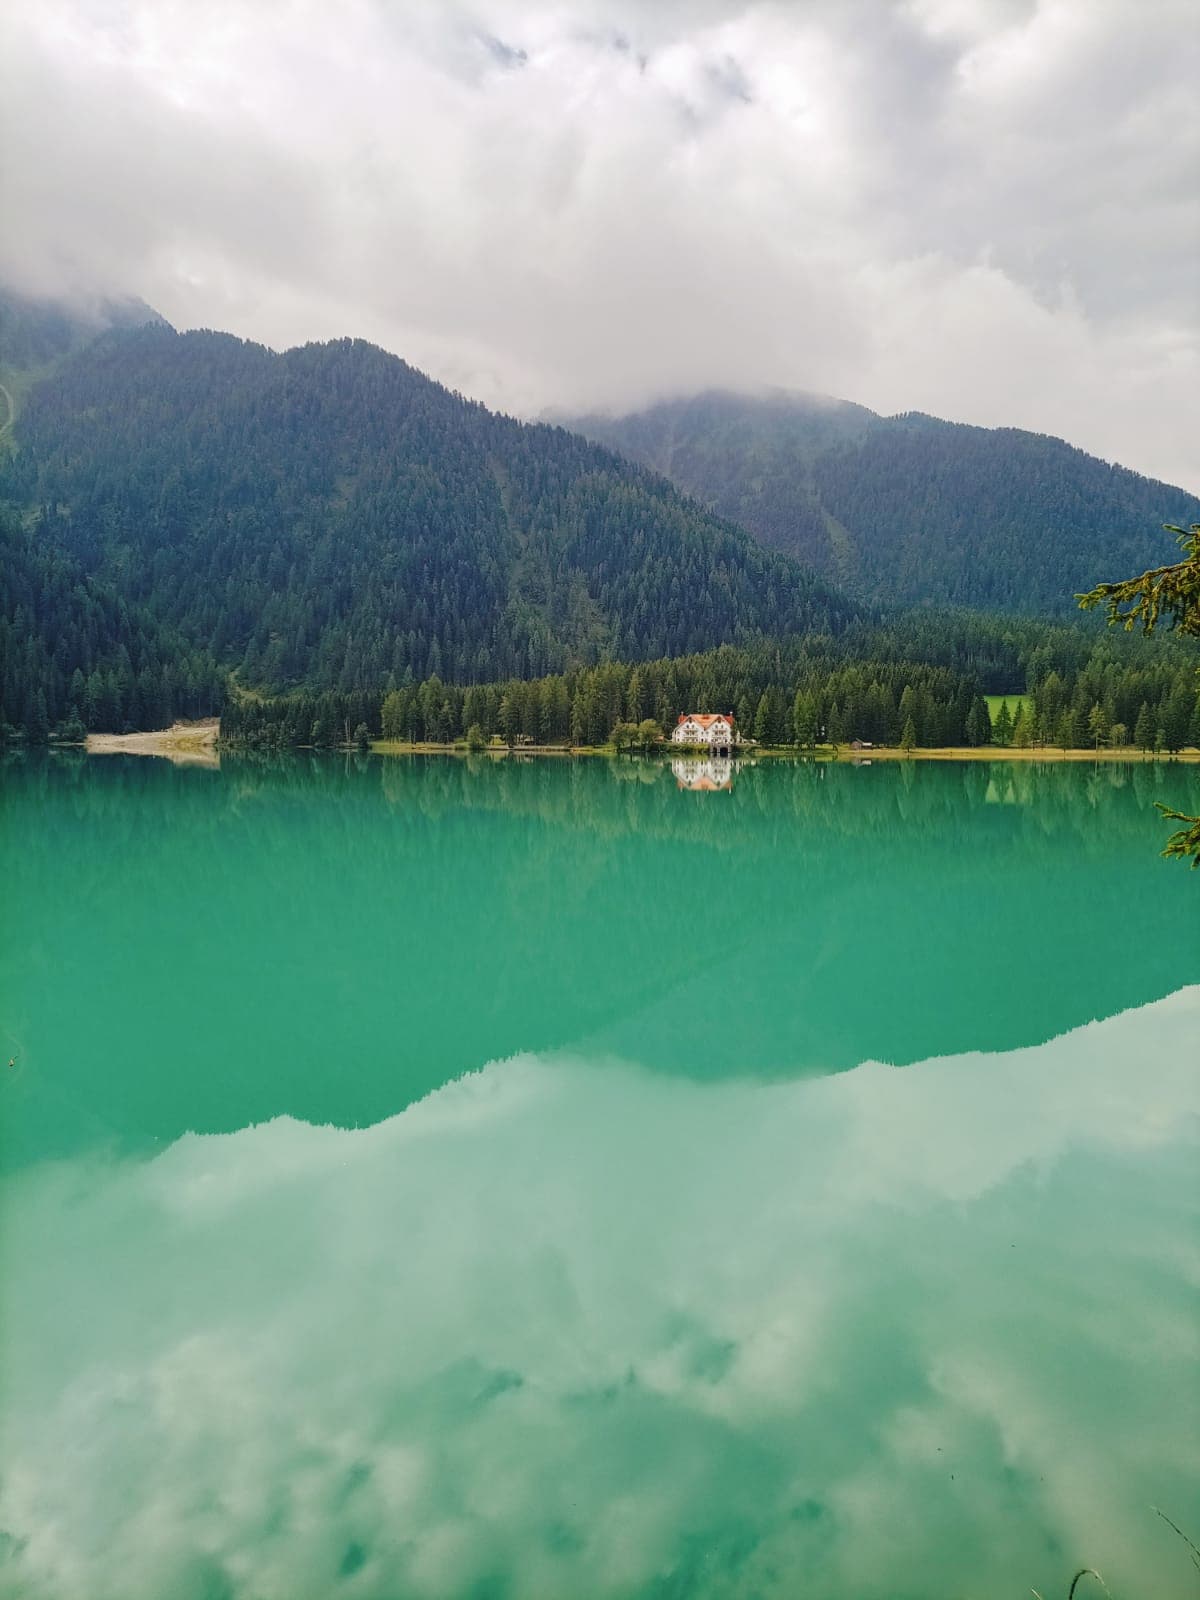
point(568, 1330)
point(704, 773)
point(336, 937)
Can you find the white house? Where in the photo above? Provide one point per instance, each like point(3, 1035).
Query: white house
point(717, 732)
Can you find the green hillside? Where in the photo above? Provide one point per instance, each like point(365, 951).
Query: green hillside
point(329, 518)
point(36, 336)
point(908, 510)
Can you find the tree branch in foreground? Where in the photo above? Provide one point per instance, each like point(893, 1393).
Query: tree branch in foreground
point(1170, 595)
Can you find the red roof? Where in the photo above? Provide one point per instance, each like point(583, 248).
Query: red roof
point(704, 721)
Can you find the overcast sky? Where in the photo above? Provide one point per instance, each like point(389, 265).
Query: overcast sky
point(987, 209)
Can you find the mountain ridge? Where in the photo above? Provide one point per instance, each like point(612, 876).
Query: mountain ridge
point(183, 507)
point(909, 509)
point(328, 517)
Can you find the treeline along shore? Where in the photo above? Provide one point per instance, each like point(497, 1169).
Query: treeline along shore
point(1070, 690)
point(917, 680)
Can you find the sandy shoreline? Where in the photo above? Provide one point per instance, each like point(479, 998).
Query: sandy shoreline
point(185, 743)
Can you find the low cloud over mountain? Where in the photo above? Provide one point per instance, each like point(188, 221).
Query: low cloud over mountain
point(983, 209)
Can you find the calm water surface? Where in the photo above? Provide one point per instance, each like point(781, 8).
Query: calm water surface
point(431, 1178)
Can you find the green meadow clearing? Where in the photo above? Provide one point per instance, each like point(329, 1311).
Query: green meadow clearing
point(995, 701)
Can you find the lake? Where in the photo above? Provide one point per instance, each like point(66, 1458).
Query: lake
point(437, 1177)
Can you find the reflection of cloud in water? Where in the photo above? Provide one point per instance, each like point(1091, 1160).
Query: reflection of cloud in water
point(574, 1330)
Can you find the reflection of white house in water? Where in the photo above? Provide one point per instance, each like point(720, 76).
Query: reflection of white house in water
point(703, 772)
point(716, 731)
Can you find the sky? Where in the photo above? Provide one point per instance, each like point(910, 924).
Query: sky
point(984, 209)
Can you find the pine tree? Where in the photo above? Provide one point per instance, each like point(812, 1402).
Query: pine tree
point(908, 739)
point(1050, 699)
point(636, 697)
point(510, 715)
point(392, 715)
point(37, 724)
point(762, 719)
point(1176, 718)
point(1002, 728)
point(979, 723)
point(804, 719)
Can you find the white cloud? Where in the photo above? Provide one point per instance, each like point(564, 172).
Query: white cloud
point(985, 208)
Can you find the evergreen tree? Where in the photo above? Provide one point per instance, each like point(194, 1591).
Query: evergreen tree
point(393, 715)
point(37, 725)
point(1175, 718)
point(804, 719)
point(762, 719)
point(979, 723)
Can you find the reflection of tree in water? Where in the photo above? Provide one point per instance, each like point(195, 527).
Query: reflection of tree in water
point(363, 929)
point(591, 793)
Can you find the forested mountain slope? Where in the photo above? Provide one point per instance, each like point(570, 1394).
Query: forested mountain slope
point(34, 332)
point(908, 510)
point(75, 653)
point(331, 518)
point(36, 336)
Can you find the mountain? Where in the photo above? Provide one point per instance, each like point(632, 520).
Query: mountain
point(37, 335)
point(908, 510)
point(34, 332)
point(329, 517)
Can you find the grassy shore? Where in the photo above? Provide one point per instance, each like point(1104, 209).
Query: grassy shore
point(995, 752)
point(989, 752)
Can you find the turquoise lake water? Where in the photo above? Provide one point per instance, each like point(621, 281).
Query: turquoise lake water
point(427, 1177)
